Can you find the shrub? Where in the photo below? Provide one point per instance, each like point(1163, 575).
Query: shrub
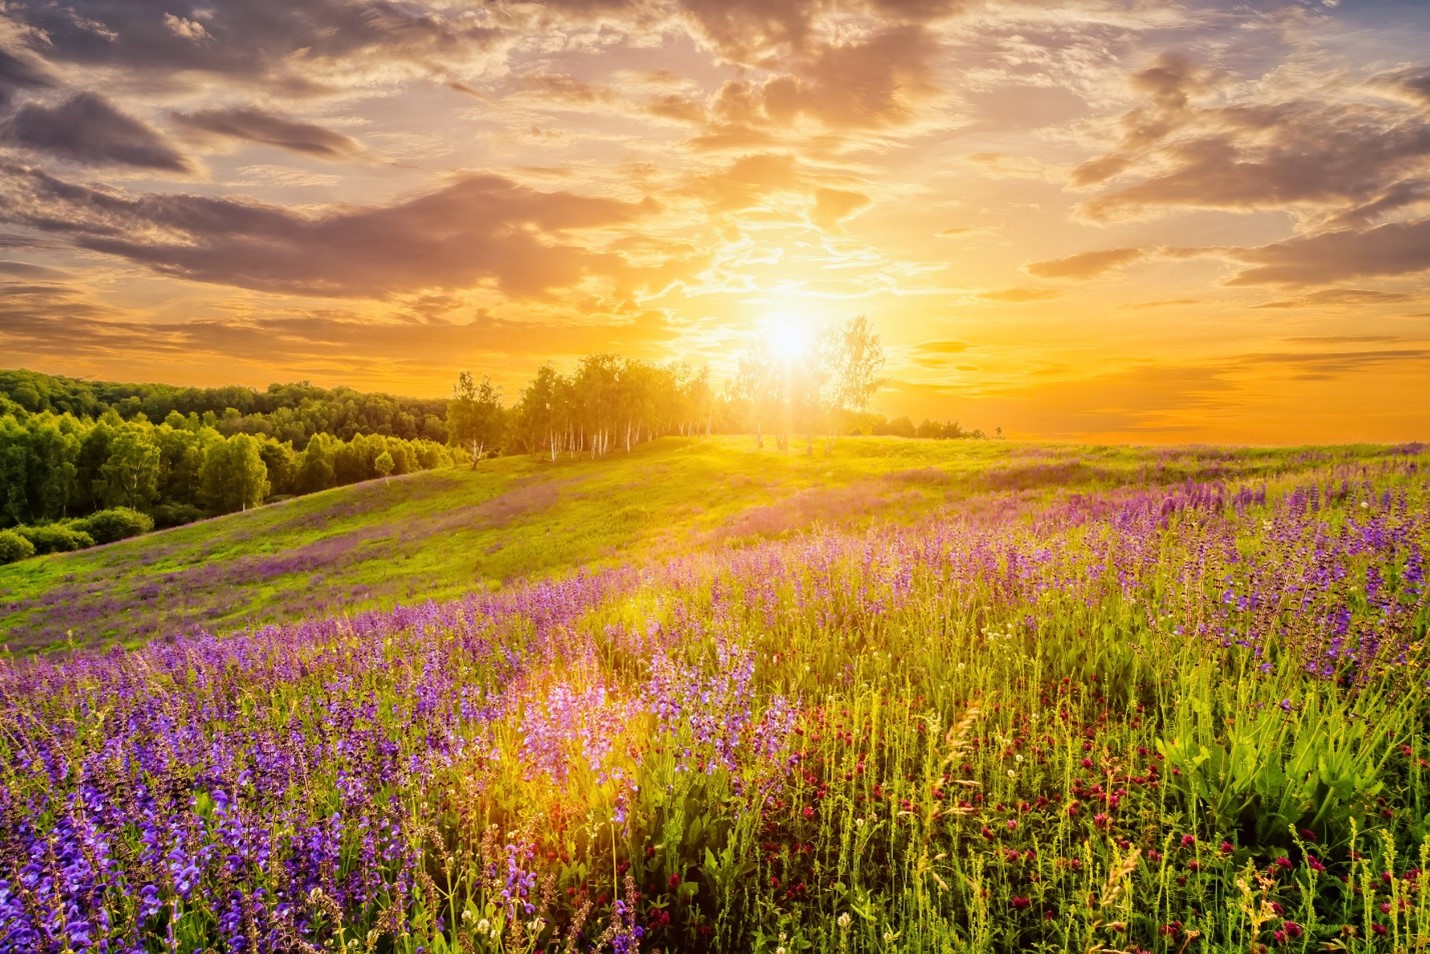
point(106, 526)
point(55, 538)
point(14, 547)
point(177, 514)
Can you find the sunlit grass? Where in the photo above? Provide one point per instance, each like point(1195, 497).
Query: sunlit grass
point(1133, 719)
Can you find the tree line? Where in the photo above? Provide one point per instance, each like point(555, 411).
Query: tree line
point(83, 462)
point(610, 402)
point(290, 413)
point(59, 471)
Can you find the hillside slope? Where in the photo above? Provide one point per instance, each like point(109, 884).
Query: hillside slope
point(438, 534)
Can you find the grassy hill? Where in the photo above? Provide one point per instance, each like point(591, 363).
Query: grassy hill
point(439, 534)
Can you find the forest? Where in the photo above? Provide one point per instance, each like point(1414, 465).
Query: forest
point(86, 462)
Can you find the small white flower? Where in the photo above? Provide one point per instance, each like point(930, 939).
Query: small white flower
point(1012, 774)
point(844, 920)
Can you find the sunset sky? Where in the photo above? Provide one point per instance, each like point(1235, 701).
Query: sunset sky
point(1123, 220)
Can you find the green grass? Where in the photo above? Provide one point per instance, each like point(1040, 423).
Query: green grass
point(1087, 706)
point(436, 535)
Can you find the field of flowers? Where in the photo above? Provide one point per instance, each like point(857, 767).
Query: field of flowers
point(1182, 718)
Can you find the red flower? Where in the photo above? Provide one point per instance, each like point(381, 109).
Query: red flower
point(1020, 903)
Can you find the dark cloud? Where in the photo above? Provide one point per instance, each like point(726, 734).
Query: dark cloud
point(29, 271)
point(1412, 84)
point(88, 129)
point(874, 83)
point(1350, 159)
point(480, 229)
point(1396, 248)
point(290, 44)
point(57, 321)
point(1086, 264)
point(260, 126)
point(20, 71)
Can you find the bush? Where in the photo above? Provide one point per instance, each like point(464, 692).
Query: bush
point(55, 538)
point(14, 547)
point(177, 514)
point(106, 526)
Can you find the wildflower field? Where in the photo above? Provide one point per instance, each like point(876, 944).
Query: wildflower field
point(1135, 716)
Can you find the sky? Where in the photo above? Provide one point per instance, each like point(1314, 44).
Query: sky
point(1093, 220)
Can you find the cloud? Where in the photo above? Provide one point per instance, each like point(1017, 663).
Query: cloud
point(256, 125)
point(482, 229)
point(1411, 84)
point(1019, 294)
point(747, 31)
point(833, 206)
point(1333, 154)
point(747, 181)
point(88, 129)
point(1396, 248)
point(20, 70)
point(938, 354)
point(28, 271)
point(1086, 264)
point(63, 323)
point(1339, 297)
point(298, 47)
point(564, 88)
point(1167, 303)
point(1325, 365)
point(191, 30)
point(868, 84)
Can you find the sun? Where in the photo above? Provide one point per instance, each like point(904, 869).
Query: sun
point(788, 338)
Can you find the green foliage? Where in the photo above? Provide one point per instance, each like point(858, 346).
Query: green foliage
point(55, 538)
point(475, 419)
point(14, 547)
point(1253, 761)
point(116, 523)
point(175, 514)
point(288, 412)
point(129, 476)
point(233, 475)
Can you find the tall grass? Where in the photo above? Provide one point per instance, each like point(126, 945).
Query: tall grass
point(1170, 719)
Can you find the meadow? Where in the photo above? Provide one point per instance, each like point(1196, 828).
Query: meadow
point(973, 696)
